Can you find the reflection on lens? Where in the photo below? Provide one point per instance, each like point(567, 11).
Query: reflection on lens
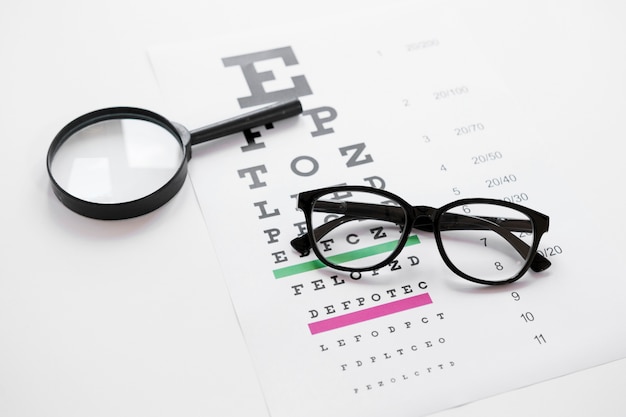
point(356, 229)
point(116, 161)
point(485, 241)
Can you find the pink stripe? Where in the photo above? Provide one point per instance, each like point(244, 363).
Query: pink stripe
point(370, 313)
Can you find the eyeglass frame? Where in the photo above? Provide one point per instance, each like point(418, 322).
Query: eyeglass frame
point(306, 241)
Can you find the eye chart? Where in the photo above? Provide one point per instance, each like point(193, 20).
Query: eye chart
point(402, 103)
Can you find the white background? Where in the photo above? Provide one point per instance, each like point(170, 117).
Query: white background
point(132, 317)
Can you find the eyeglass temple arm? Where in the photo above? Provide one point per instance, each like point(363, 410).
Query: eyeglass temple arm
point(355, 211)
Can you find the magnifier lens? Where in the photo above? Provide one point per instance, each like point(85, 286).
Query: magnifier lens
point(117, 160)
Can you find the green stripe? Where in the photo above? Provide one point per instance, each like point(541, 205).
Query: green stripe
point(342, 257)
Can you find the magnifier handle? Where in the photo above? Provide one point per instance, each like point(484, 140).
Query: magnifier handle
point(266, 115)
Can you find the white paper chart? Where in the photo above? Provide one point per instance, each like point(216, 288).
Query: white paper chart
point(403, 103)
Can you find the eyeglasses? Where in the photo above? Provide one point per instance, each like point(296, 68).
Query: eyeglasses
point(358, 228)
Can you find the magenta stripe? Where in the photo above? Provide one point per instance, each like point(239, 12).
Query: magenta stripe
point(370, 313)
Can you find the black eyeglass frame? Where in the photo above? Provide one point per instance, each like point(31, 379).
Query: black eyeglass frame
point(423, 218)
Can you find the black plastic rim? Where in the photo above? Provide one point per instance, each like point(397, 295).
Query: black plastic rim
point(127, 209)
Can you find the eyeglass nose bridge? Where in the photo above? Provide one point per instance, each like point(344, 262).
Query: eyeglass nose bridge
point(424, 218)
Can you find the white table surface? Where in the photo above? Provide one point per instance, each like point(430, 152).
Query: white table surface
point(131, 318)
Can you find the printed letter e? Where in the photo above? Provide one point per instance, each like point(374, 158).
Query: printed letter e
point(256, 79)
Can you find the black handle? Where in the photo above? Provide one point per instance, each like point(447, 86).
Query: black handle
point(266, 115)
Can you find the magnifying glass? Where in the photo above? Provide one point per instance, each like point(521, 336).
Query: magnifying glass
point(123, 162)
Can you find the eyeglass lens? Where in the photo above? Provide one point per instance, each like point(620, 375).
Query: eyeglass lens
point(484, 240)
point(348, 234)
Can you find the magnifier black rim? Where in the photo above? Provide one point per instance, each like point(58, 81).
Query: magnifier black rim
point(126, 209)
